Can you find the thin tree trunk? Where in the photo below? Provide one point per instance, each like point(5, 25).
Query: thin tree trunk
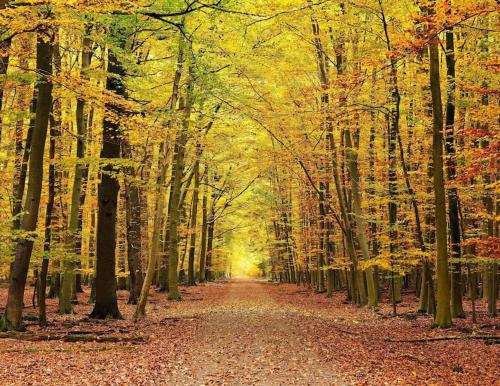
point(193, 221)
point(49, 221)
point(4, 64)
point(140, 310)
point(204, 230)
point(392, 139)
point(443, 314)
point(210, 243)
point(133, 220)
point(453, 216)
point(21, 173)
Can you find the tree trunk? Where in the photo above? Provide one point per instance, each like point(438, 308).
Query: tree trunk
point(133, 220)
point(4, 64)
point(443, 314)
point(392, 141)
point(194, 217)
point(204, 230)
point(49, 221)
point(163, 262)
point(106, 305)
point(360, 222)
point(178, 162)
point(19, 271)
point(210, 243)
point(453, 216)
point(22, 172)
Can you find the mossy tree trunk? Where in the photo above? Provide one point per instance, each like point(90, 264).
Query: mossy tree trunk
point(443, 312)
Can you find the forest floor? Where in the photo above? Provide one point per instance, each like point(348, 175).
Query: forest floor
point(251, 333)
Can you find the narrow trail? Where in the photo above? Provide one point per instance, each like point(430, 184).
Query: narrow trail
point(249, 339)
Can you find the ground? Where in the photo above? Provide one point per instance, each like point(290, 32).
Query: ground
point(251, 333)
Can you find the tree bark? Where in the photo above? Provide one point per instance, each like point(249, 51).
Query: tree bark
point(19, 269)
point(49, 222)
point(4, 65)
point(193, 221)
point(453, 215)
point(443, 313)
point(133, 233)
point(204, 230)
point(210, 243)
point(106, 305)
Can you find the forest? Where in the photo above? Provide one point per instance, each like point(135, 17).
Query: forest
point(311, 186)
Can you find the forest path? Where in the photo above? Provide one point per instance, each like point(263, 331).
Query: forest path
point(249, 339)
point(234, 333)
point(248, 333)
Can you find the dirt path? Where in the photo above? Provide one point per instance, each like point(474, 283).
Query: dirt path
point(249, 339)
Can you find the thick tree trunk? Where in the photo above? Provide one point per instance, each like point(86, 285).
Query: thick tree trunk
point(19, 269)
point(106, 305)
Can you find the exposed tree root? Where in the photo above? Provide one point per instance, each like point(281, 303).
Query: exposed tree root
point(72, 337)
point(487, 338)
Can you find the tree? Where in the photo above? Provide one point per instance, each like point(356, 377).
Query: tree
point(443, 313)
point(19, 272)
point(106, 305)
